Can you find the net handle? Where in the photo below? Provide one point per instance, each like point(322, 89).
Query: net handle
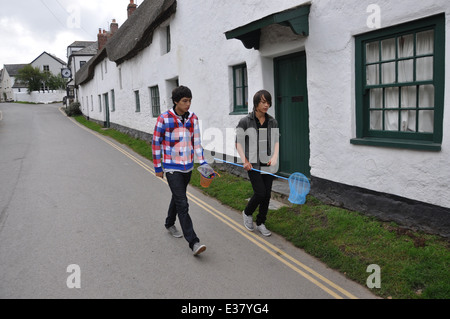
point(253, 169)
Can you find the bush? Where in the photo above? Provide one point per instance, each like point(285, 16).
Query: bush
point(74, 109)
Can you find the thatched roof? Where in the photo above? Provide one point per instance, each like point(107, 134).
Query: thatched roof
point(132, 37)
point(137, 32)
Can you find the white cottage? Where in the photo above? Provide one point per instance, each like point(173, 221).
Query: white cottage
point(360, 90)
point(48, 63)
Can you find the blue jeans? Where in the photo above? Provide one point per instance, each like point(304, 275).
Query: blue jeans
point(179, 205)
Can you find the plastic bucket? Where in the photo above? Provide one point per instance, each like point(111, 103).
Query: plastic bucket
point(205, 182)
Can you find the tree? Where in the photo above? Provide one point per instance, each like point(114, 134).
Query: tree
point(56, 82)
point(36, 80)
point(32, 77)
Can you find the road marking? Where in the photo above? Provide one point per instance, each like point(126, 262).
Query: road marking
point(314, 277)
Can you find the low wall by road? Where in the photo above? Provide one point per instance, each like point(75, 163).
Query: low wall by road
point(40, 97)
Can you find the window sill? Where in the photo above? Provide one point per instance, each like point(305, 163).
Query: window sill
point(401, 144)
point(239, 113)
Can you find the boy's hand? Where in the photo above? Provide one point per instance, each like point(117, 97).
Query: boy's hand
point(273, 162)
point(248, 166)
point(160, 175)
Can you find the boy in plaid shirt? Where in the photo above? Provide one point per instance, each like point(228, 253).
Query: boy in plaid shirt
point(175, 140)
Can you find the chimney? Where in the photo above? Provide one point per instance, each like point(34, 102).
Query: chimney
point(102, 39)
point(131, 8)
point(114, 27)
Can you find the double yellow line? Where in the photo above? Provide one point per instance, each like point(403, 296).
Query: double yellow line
point(320, 281)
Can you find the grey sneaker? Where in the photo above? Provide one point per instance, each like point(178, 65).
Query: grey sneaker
point(198, 249)
point(248, 222)
point(263, 230)
point(174, 231)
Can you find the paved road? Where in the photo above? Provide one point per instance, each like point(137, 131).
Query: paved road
point(71, 197)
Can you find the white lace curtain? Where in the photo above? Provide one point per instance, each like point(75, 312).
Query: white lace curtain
point(401, 97)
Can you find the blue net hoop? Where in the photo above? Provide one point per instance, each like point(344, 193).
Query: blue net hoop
point(299, 186)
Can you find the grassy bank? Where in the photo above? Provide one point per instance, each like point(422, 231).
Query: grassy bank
point(413, 265)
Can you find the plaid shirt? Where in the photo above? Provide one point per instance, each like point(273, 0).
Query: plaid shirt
point(174, 143)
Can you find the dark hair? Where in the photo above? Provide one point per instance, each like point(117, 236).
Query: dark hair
point(258, 97)
point(180, 93)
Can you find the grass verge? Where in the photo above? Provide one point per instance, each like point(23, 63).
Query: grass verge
point(413, 265)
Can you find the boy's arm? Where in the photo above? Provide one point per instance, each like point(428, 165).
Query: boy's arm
point(158, 136)
point(198, 143)
point(240, 137)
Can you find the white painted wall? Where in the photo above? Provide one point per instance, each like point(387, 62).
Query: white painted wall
point(6, 86)
point(40, 97)
point(202, 59)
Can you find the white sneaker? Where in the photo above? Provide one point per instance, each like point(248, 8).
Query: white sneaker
point(263, 230)
point(174, 232)
point(198, 249)
point(248, 222)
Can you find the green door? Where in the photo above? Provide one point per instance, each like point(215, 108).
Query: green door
point(292, 113)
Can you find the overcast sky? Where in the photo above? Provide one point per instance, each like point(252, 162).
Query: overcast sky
point(30, 27)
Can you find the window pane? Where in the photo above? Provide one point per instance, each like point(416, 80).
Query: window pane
point(388, 73)
point(373, 74)
point(156, 109)
point(376, 120)
point(240, 87)
point(376, 98)
point(408, 121)
point(138, 103)
point(239, 97)
point(426, 96)
point(372, 52)
point(238, 77)
point(424, 69)
point(388, 49)
point(426, 121)
point(406, 46)
point(391, 98)
point(425, 42)
point(409, 97)
point(406, 71)
point(391, 121)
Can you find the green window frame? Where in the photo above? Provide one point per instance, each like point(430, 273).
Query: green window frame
point(113, 101)
point(240, 89)
point(400, 73)
point(155, 100)
point(168, 40)
point(138, 101)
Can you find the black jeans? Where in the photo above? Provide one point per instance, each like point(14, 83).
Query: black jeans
point(262, 188)
point(179, 205)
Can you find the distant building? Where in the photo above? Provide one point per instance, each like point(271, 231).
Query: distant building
point(12, 89)
point(9, 84)
point(49, 63)
point(80, 53)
